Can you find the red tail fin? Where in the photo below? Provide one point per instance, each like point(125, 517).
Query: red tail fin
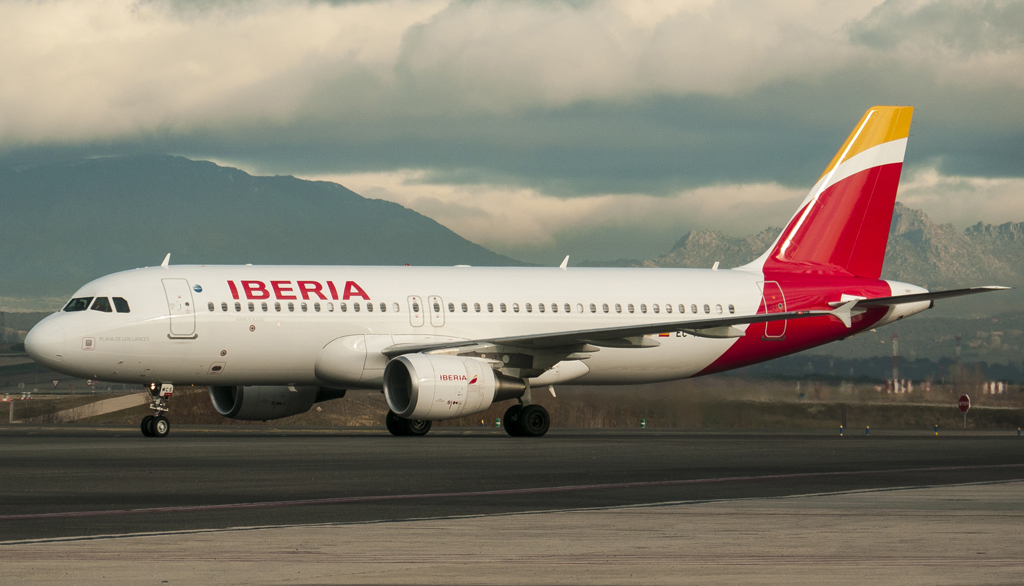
point(843, 224)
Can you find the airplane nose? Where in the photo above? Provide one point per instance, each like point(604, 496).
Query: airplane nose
point(45, 342)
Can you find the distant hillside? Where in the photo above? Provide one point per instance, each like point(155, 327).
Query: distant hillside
point(919, 251)
point(63, 224)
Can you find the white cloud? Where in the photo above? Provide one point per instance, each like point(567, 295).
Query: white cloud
point(516, 219)
point(964, 200)
point(114, 68)
point(504, 217)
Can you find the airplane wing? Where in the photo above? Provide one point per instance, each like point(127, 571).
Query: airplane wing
point(631, 336)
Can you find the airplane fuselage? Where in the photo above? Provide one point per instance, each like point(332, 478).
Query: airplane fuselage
point(269, 325)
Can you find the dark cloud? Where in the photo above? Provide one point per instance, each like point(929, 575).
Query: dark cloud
point(967, 27)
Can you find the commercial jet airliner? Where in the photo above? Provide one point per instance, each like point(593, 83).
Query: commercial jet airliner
point(443, 343)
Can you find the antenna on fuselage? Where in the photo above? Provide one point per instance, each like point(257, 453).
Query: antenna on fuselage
point(167, 260)
point(565, 263)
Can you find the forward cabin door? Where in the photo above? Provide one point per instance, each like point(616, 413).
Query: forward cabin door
point(181, 307)
point(774, 302)
point(416, 310)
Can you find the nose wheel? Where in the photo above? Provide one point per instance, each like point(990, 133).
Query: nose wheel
point(157, 425)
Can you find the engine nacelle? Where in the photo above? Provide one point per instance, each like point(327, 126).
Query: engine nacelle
point(263, 403)
point(434, 387)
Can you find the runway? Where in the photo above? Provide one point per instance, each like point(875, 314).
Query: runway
point(69, 482)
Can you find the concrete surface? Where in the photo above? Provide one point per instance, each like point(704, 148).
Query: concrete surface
point(962, 534)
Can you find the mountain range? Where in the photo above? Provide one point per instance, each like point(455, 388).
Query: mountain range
point(65, 223)
point(919, 251)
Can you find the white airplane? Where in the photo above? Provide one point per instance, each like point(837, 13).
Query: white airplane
point(442, 343)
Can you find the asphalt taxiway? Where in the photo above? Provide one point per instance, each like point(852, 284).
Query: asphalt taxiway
point(71, 482)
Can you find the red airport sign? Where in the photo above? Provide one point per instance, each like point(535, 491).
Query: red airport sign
point(964, 404)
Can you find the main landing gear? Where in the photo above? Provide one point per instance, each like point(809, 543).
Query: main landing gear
point(526, 421)
point(157, 425)
point(402, 426)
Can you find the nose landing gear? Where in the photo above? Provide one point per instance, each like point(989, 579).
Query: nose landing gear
point(157, 425)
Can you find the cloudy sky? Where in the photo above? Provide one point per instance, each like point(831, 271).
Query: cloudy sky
point(601, 129)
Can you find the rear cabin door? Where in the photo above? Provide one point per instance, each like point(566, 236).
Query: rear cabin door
point(774, 302)
point(181, 307)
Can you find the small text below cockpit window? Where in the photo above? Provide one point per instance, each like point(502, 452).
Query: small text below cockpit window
point(78, 304)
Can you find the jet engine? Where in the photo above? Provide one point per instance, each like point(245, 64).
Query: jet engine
point(264, 403)
point(434, 387)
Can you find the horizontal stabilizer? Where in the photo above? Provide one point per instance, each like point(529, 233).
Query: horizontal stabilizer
point(917, 297)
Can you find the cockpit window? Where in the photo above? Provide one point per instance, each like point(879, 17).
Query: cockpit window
point(122, 306)
point(102, 304)
point(78, 304)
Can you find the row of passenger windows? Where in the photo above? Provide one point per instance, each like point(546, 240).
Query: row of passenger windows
point(502, 307)
point(303, 306)
point(98, 304)
point(568, 308)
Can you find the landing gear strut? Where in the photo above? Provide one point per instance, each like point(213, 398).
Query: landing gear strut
point(402, 426)
point(157, 425)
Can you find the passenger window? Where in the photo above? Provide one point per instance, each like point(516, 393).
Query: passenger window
point(451, 307)
point(355, 306)
point(383, 306)
point(78, 304)
point(122, 306)
point(476, 307)
point(277, 306)
point(732, 308)
point(490, 308)
point(567, 308)
point(579, 308)
point(223, 305)
point(618, 308)
point(682, 308)
point(529, 308)
point(668, 308)
point(330, 306)
point(102, 304)
point(238, 306)
point(303, 306)
point(211, 306)
point(465, 307)
point(502, 308)
point(395, 307)
point(540, 307)
point(693, 308)
point(515, 307)
point(604, 307)
point(707, 308)
point(554, 308)
point(264, 305)
point(643, 308)
point(718, 308)
point(593, 308)
point(630, 307)
point(437, 307)
point(291, 306)
point(316, 306)
point(251, 306)
point(369, 306)
point(656, 308)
